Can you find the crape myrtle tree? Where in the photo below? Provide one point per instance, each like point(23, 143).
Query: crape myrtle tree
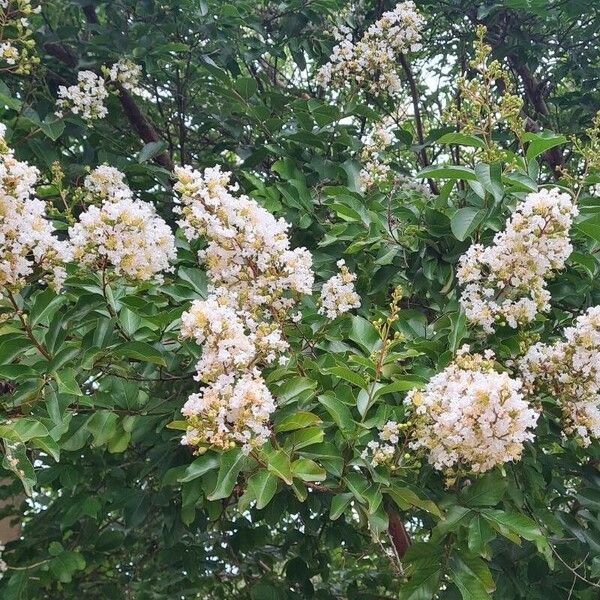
point(299, 299)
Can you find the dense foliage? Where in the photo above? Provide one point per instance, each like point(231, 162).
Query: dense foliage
point(299, 299)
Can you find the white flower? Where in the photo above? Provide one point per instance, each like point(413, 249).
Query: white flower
point(405, 183)
point(26, 235)
point(106, 182)
point(383, 452)
point(471, 416)
point(248, 249)
point(375, 169)
point(569, 371)
point(372, 63)
point(226, 346)
point(337, 294)
point(9, 53)
point(230, 412)
point(127, 73)
point(255, 281)
point(85, 99)
point(124, 233)
point(506, 282)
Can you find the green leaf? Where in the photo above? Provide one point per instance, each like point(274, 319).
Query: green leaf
point(178, 425)
point(515, 522)
point(456, 516)
point(590, 229)
point(373, 496)
point(461, 139)
point(521, 182)
point(203, 464)
point(424, 561)
point(339, 503)
point(16, 460)
point(470, 585)
point(45, 304)
point(263, 486)
point(64, 566)
point(541, 142)
point(490, 177)
point(293, 387)
point(348, 375)
point(358, 484)
point(308, 470)
point(378, 522)
point(400, 385)
point(265, 591)
point(140, 351)
point(246, 87)
point(279, 464)
point(338, 411)
point(230, 465)
point(12, 348)
point(52, 127)
point(150, 150)
point(103, 426)
point(590, 498)
point(480, 533)
point(485, 491)
point(305, 437)
point(447, 172)
point(465, 221)
point(364, 334)
point(405, 497)
point(298, 420)
point(23, 430)
point(458, 331)
point(66, 382)
point(323, 114)
point(7, 99)
point(16, 371)
point(328, 456)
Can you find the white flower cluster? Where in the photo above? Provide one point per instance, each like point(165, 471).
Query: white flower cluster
point(372, 62)
point(16, 36)
point(231, 339)
point(375, 170)
point(9, 53)
point(471, 416)
point(407, 184)
point(26, 235)
point(106, 182)
point(86, 98)
point(382, 452)
point(505, 282)
point(248, 249)
point(337, 294)
point(231, 411)
point(256, 279)
point(122, 232)
point(127, 73)
point(569, 371)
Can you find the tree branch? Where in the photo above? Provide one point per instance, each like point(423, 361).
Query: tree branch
point(63, 53)
point(397, 532)
point(139, 122)
point(534, 91)
point(142, 125)
point(414, 93)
